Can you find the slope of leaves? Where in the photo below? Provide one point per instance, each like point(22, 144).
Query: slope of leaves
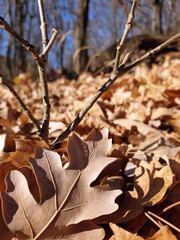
point(141, 112)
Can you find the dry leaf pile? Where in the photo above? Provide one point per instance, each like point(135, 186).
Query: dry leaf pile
point(113, 177)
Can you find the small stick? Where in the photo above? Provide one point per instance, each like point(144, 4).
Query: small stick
point(163, 220)
point(41, 61)
point(121, 71)
point(26, 111)
point(152, 219)
point(128, 27)
point(21, 40)
point(171, 206)
point(153, 51)
point(43, 74)
point(43, 24)
point(82, 113)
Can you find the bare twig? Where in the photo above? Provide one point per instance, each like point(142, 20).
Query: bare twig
point(51, 41)
point(153, 51)
point(82, 113)
point(41, 61)
point(43, 24)
point(46, 104)
point(171, 206)
point(26, 111)
point(42, 71)
point(22, 41)
point(128, 27)
point(163, 220)
point(121, 70)
point(152, 219)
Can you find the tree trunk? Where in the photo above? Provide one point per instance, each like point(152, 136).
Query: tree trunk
point(21, 11)
point(80, 36)
point(170, 19)
point(157, 16)
point(9, 48)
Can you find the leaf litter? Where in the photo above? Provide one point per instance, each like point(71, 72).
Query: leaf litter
point(97, 184)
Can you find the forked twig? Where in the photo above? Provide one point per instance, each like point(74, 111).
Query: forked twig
point(153, 51)
point(21, 40)
point(51, 42)
point(41, 61)
point(121, 71)
point(43, 73)
point(83, 112)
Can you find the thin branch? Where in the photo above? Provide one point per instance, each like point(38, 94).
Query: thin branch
point(46, 103)
point(128, 27)
point(82, 113)
point(41, 61)
point(171, 206)
point(163, 220)
point(22, 41)
point(153, 51)
point(26, 111)
point(43, 24)
point(43, 74)
point(152, 219)
point(51, 42)
point(121, 71)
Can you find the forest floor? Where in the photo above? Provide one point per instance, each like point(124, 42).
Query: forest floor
point(142, 114)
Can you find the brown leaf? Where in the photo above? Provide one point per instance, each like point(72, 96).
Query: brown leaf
point(163, 234)
point(172, 93)
point(121, 234)
point(4, 231)
point(150, 186)
point(83, 230)
point(175, 165)
point(25, 148)
point(142, 128)
point(66, 195)
point(161, 112)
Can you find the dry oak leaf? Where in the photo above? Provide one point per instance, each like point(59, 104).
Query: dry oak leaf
point(121, 234)
point(24, 149)
point(66, 195)
point(163, 234)
point(150, 186)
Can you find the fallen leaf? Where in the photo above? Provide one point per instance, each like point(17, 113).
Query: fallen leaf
point(66, 195)
point(161, 112)
point(121, 234)
point(150, 185)
point(163, 234)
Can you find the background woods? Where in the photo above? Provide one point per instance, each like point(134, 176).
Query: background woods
point(88, 30)
point(97, 157)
